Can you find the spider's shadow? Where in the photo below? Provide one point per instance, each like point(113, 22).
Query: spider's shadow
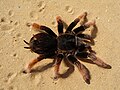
point(66, 74)
point(71, 68)
point(69, 71)
point(43, 68)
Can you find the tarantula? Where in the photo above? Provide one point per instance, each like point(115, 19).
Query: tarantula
point(70, 44)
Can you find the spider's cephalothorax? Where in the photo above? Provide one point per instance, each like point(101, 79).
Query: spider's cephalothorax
point(71, 45)
point(66, 42)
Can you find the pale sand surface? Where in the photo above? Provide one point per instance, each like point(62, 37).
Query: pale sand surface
point(15, 14)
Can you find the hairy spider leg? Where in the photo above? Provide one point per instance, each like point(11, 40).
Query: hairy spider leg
point(82, 54)
point(95, 59)
point(74, 23)
point(79, 29)
point(85, 36)
point(98, 61)
point(90, 48)
point(44, 28)
point(83, 27)
point(57, 65)
point(82, 47)
point(83, 70)
point(60, 25)
point(32, 63)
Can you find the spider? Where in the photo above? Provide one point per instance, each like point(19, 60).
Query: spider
point(70, 44)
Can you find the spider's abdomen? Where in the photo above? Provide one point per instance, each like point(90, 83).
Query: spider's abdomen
point(66, 42)
point(43, 43)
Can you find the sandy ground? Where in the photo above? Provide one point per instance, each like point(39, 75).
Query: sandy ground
point(14, 17)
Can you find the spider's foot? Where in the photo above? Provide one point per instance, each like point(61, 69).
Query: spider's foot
point(89, 23)
point(35, 26)
point(104, 65)
point(57, 76)
point(58, 18)
point(99, 62)
point(84, 14)
point(26, 71)
point(87, 79)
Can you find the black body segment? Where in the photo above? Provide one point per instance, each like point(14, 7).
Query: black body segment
point(43, 43)
point(66, 42)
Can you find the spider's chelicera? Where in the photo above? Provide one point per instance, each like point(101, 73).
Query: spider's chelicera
point(70, 44)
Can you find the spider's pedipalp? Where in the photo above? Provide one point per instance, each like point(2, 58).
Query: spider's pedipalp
point(83, 70)
point(98, 61)
point(57, 65)
point(44, 28)
point(74, 23)
point(60, 25)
